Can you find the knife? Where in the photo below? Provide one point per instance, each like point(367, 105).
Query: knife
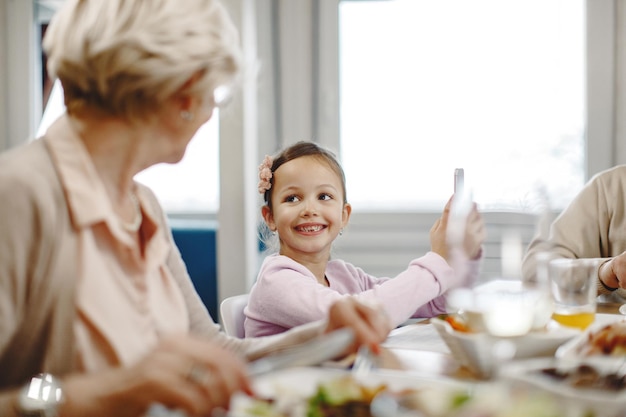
point(314, 352)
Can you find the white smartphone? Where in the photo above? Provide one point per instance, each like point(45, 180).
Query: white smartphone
point(459, 179)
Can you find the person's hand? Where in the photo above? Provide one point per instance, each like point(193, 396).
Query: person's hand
point(182, 373)
point(475, 233)
point(613, 273)
point(474, 236)
point(438, 231)
point(369, 322)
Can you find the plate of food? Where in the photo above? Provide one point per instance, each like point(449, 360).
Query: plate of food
point(605, 338)
point(322, 392)
point(306, 391)
point(479, 351)
point(593, 386)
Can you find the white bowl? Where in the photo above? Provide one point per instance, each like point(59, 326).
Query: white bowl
point(482, 352)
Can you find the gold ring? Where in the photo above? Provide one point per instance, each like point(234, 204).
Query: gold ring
point(198, 374)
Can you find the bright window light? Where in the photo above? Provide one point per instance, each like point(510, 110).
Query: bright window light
point(492, 86)
point(190, 186)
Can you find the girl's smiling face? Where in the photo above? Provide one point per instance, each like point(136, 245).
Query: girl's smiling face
point(308, 209)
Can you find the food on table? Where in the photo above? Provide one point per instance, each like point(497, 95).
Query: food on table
point(457, 323)
point(346, 397)
point(608, 340)
point(342, 396)
point(587, 376)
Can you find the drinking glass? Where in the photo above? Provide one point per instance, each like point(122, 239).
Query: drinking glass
point(540, 285)
point(574, 289)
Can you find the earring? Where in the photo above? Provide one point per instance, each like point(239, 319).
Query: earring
point(341, 232)
point(186, 115)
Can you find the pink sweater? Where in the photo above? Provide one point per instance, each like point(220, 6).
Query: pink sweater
point(286, 294)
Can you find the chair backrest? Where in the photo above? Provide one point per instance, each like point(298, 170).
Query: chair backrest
point(231, 311)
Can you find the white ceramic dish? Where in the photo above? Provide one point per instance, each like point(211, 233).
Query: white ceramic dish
point(291, 387)
point(304, 380)
point(602, 402)
point(481, 352)
point(573, 348)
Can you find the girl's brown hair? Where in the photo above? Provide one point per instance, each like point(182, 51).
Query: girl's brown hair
point(298, 150)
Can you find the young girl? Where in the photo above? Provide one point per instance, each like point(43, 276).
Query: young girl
point(306, 206)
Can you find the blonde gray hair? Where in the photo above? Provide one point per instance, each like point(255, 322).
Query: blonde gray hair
point(125, 58)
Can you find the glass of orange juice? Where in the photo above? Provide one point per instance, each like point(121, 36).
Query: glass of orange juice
point(573, 286)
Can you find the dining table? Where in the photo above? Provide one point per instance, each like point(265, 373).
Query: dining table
point(416, 352)
point(417, 347)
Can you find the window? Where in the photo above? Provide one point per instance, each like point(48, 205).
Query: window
point(188, 187)
point(493, 86)
point(192, 185)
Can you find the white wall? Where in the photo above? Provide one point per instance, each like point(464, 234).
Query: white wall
point(21, 66)
point(237, 247)
point(619, 89)
point(602, 24)
point(3, 76)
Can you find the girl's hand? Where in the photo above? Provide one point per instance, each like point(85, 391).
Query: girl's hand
point(369, 322)
point(475, 234)
point(182, 373)
point(438, 233)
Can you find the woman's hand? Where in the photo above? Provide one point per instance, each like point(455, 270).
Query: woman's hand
point(182, 373)
point(369, 322)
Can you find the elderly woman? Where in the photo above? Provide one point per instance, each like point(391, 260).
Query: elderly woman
point(93, 292)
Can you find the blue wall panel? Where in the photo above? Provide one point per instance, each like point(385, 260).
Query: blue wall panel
point(197, 242)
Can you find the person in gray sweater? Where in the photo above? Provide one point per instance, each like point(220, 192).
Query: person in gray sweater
point(592, 226)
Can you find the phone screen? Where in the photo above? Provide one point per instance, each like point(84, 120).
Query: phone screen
point(459, 179)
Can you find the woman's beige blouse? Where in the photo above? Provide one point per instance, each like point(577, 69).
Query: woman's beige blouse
point(125, 301)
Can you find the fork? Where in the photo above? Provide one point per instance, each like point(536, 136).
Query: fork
point(364, 362)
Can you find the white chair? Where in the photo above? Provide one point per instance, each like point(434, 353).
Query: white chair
point(231, 311)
